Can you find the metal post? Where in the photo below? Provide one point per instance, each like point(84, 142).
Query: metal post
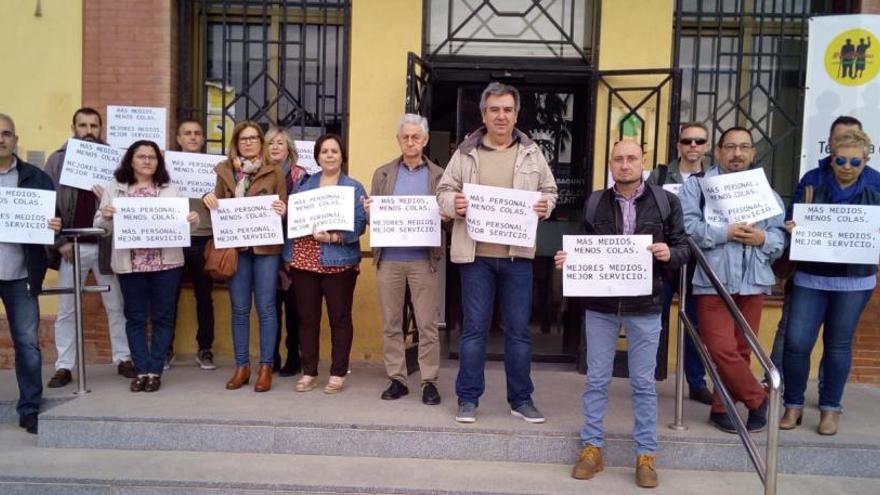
point(772, 459)
point(678, 423)
point(80, 338)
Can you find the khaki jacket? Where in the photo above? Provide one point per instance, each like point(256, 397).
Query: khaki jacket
point(530, 173)
point(120, 259)
point(384, 179)
point(267, 181)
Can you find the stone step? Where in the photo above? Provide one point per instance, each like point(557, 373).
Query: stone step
point(193, 412)
point(26, 468)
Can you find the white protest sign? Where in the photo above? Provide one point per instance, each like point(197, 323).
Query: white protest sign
point(150, 223)
point(25, 215)
point(836, 233)
point(607, 265)
point(125, 125)
point(306, 158)
point(739, 197)
point(404, 221)
point(500, 215)
point(87, 164)
point(673, 188)
point(244, 222)
point(325, 208)
point(192, 173)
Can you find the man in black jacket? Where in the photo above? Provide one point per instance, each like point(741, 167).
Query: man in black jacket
point(22, 268)
point(630, 207)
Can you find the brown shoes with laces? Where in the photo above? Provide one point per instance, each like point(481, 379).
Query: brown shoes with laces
point(589, 463)
point(240, 378)
point(646, 475)
point(264, 378)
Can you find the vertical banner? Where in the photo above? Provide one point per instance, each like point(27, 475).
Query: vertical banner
point(125, 125)
point(842, 67)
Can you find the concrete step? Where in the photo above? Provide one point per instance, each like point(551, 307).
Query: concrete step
point(26, 468)
point(193, 412)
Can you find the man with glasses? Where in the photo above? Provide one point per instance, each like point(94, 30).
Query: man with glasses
point(21, 279)
point(740, 254)
point(693, 143)
point(77, 208)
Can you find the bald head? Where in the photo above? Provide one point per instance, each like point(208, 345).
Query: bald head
point(627, 162)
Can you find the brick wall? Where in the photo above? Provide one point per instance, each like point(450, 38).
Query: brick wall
point(866, 350)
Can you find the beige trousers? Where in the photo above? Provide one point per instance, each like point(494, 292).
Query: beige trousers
point(393, 277)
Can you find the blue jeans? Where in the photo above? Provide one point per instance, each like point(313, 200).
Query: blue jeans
point(255, 279)
point(23, 313)
point(778, 351)
point(839, 311)
point(149, 296)
point(694, 371)
point(481, 280)
point(642, 339)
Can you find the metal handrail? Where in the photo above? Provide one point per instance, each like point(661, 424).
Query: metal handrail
point(765, 467)
point(77, 290)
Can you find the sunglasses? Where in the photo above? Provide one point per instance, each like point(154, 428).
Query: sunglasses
point(690, 141)
point(855, 162)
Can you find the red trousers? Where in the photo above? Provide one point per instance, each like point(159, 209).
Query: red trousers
point(729, 349)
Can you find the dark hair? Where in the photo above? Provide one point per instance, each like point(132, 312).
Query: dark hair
point(691, 125)
point(125, 172)
point(326, 137)
point(844, 120)
point(87, 111)
point(735, 128)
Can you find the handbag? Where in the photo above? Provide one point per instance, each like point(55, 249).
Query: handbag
point(783, 267)
point(220, 264)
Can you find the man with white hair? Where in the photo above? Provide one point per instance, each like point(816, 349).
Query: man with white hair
point(410, 174)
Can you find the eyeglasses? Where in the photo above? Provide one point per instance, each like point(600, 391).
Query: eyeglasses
point(7, 134)
point(147, 158)
point(248, 139)
point(730, 147)
point(855, 162)
point(692, 141)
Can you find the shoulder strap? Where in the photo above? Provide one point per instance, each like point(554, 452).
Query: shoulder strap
point(662, 201)
point(593, 205)
point(661, 175)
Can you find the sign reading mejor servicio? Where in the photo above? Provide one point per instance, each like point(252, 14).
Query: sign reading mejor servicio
point(244, 222)
point(25, 215)
point(125, 125)
point(404, 221)
point(500, 215)
point(150, 223)
point(607, 265)
point(87, 164)
point(828, 233)
point(739, 197)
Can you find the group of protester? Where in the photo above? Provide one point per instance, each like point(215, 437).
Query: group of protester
point(297, 277)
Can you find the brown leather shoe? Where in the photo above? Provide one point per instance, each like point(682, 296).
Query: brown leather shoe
point(646, 475)
point(791, 419)
point(240, 378)
point(589, 463)
point(264, 378)
point(828, 422)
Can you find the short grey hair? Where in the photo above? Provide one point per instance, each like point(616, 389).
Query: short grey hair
point(496, 88)
point(414, 119)
point(7, 118)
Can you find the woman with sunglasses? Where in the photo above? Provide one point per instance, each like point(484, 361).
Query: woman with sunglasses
point(829, 294)
point(249, 172)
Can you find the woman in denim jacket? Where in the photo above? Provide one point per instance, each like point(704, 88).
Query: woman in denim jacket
point(324, 265)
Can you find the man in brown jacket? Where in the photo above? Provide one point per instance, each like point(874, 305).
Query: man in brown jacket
point(410, 174)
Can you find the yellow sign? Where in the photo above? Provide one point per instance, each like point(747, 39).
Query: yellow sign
point(849, 58)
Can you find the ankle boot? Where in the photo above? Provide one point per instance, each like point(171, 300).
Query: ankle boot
point(241, 376)
point(828, 422)
point(264, 378)
point(791, 419)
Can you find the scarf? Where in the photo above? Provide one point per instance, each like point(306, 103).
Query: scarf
point(839, 195)
point(244, 174)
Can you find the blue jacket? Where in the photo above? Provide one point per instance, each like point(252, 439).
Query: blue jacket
point(349, 252)
point(743, 269)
